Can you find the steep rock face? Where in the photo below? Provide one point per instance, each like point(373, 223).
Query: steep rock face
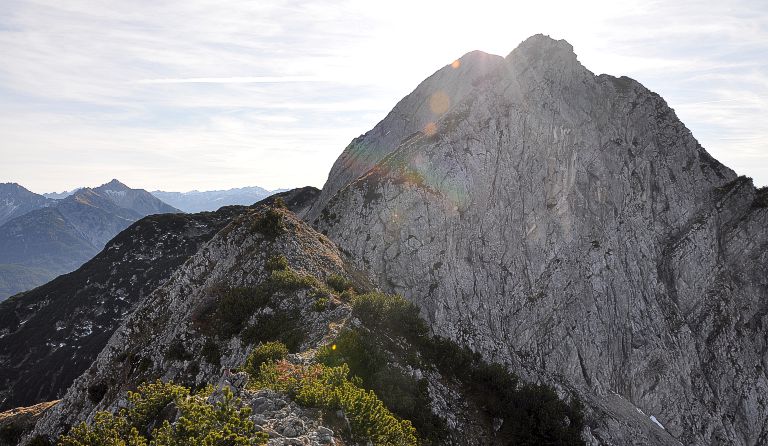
point(422, 108)
point(571, 226)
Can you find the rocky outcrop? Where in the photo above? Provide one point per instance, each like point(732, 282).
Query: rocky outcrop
point(570, 226)
point(16, 422)
point(178, 318)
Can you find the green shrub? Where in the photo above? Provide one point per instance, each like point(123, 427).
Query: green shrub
point(199, 423)
point(235, 306)
point(277, 263)
point(177, 352)
point(403, 394)
point(39, 440)
point(270, 223)
point(290, 280)
point(226, 423)
point(10, 434)
point(321, 303)
point(392, 331)
point(96, 392)
point(532, 414)
point(283, 326)
point(263, 354)
point(331, 388)
point(126, 427)
point(338, 283)
point(391, 314)
point(211, 352)
point(279, 203)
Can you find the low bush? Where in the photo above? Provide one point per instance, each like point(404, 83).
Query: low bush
point(367, 358)
point(235, 306)
point(276, 263)
point(331, 388)
point(224, 423)
point(11, 434)
point(338, 283)
point(269, 223)
point(321, 303)
point(177, 352)
point(198, 423)
point(290, 280)
point(393, 332)
point(263, 354)
point(391, 314)
point(283, 326)
point(211, 352)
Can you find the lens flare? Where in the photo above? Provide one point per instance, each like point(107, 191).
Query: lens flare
point(430, 129)
point(439, 102)
point(456, 64)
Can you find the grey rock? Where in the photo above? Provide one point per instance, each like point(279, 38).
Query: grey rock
point(291, 427)
point(235, 257)
point(570, 226)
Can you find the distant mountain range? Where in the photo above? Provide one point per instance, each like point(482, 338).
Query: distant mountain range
point(41, 238)
point(199, 201)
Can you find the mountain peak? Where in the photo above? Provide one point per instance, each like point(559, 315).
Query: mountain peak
point(114, 185)
point(540, 47)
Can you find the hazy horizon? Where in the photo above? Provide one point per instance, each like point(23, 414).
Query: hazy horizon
point(205, 95)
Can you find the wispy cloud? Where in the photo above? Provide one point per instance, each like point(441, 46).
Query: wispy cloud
point(231, 80)
point(210, 93)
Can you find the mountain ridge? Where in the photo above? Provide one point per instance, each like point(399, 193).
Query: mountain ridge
point(58, 237)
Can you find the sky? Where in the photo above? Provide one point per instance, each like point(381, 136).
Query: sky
point(215, 94)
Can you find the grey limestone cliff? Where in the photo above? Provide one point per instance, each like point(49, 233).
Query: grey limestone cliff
point(571, 226)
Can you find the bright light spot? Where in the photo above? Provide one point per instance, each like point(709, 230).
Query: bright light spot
point(333, 347)
point(456, 64)
point(430, 129)
point(439, 102)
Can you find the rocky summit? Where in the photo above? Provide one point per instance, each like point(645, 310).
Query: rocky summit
point(521, 252)
point(571, 227)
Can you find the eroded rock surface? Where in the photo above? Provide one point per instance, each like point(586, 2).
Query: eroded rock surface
point(571, 226)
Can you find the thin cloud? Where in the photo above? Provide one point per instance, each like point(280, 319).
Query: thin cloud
point(91, 86)
point(232, 80)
